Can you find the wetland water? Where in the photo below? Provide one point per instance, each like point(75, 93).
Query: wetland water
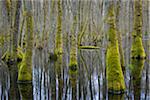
point(90, 81)
point(86, 22)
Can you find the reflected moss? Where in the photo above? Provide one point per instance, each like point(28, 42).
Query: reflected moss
point(58, 68)
point(136, 72)
point(52, 57)
point(25, 91)
point(115, 97)
point(137, 67)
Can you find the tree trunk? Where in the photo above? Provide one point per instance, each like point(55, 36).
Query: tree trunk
point(137, 49)
point(58, 39)
point(59, 49)
point(73, 59)
point(25, 69)
point(114, 73)
point(16, 28)
point(119, 36)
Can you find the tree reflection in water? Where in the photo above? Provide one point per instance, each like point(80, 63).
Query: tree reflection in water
point(4, 81)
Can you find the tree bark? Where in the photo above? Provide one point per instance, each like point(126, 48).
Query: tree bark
point(137, 49)
point(115, 79)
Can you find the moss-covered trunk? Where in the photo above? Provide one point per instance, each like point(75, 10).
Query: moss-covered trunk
point(58, 38)
point(115, 79)
point(73, 66)
point(119, 36)
point(59, 49)
point(25, 69)
point(73, 60)
point(137, 50)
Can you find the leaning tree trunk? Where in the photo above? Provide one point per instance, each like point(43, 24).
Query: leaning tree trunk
point(137, 50)
point(115, 79)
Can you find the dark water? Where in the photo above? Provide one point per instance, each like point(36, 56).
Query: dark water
point(51, 79)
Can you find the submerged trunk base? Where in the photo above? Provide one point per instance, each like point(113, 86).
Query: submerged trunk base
point(117, 92)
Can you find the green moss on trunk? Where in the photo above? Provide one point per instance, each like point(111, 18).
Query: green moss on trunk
point(73, 67)
point(119, 36)
point(24, 73)
point(88, 47)
point(73, 49)
point(115, 78)
point(58, 38)
point(73, 72)
point(25, 69)
point(73, 60)
point(137, 50)
point(114, 73)
point(59, 49)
